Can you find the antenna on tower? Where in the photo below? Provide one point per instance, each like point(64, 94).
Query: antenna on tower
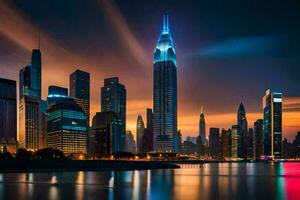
point(201, 109)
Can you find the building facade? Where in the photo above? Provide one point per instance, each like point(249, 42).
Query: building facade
point(148, 133)
point(8, 114)
point(214, 143)
point(130, 145)
point(272, 124)
point(226, 144)
point(140, 130)
point(56, 93)
point(29, 122)
point(258, 138)
point(164, 91)
point(67, 127)
point(113, 98)
point(105, 134)
point(80, 90)
point(30, 105)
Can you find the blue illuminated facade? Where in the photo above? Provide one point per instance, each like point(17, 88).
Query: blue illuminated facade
point(66, 127)
point(164, 91)
point(56, 93)
point(272, 124)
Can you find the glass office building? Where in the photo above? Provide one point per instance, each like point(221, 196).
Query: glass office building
point(80, 90)
point(272, 124)
point(66, 127)
point(113, 98)
point(164, 91)
point(8, 114)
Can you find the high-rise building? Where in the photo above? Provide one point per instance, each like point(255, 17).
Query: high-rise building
point(113, 98)
point(214, 143)
point(80, 90)
point(164, 91)
point(148, 133)
point(8, 115)
point(237, 132)
point(250, 140)
point(130, 145)
point(202, 128)
point(242, 122)
point(140, 130)
point(66, 127)
point(234, 141)
point(104, 137)
point(36, 71)
point(226, 144)
point(30, 107)
point(29, 122)
point(55, 93)
point(258, 138)
point(272, 124)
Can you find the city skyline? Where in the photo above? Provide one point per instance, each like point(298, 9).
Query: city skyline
point(219, 113)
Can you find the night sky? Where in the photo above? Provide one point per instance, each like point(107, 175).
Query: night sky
point(226, 52)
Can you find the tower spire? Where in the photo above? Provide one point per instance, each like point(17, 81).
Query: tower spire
point(201, 109)
point(166, 23)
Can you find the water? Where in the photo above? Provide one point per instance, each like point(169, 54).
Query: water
point(212, 181)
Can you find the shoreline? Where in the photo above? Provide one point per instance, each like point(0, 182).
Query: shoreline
point(10, 166)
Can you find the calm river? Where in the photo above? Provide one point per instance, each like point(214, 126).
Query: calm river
point(212, 181)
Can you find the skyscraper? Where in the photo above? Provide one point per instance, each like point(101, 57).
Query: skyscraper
point(250, 143)
point(80, 90)
point(226, 144)
point(242, 122)
point(148, 133)
point(30, 106)
point(258, 138)
point(272, 124)
point(202, 128)
point(55, 93)
point(214, 143)
point(8, 113)
point(140, 130)
point(234, 141)
point(164, 91)
point(113, 98)
point(67, 127)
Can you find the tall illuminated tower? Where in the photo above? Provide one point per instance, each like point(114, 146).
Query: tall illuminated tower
point(272, 124)
point(202, 128)
point(164, 91)
point(242, 133)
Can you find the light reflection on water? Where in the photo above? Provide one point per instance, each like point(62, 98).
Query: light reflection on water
point(212, 181)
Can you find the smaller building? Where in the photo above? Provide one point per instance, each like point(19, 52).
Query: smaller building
point(140, 130)
point(130, 145)
point(66, 127)
point(214, 143)
point(226, 144)
point(258, 139)
point(105, 134)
